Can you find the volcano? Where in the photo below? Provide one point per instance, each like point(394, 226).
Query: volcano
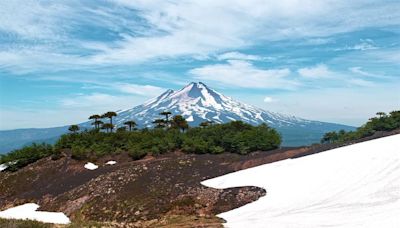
point(197, 103)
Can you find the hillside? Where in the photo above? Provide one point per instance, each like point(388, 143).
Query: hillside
point(153, 191)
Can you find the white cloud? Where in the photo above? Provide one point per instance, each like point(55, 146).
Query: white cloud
point(319, 41)
point(170, 29)
point(199, 27)
point(315, 72)
point(365, 44)
point(95, 101)
point(238, 56)
point(361, 82)
point(32, 19)
point(144, 90)
point(358, 70)
point(269, 100)
point(243, 74)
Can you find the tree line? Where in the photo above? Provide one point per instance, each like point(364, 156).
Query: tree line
point(170, 133)
point(177, 122)
point(381, 122)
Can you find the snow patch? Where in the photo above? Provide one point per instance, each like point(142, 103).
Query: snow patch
point(91, 166)
point(111, 163)
point(3, 167)
point(352, 186)
point(28, 211)
point(189, 119)
point(6, 165)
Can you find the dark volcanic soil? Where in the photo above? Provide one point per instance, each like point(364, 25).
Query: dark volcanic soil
point(152, 192)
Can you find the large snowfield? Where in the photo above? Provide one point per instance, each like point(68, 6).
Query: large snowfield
point(28, 211)
point(352, 186)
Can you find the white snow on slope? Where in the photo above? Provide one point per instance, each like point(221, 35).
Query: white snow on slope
point(3, 167)
point(111, 163)
point(353, 186)
point(91, 166)
point(28, 211)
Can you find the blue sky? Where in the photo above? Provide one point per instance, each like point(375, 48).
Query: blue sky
point(60, 61)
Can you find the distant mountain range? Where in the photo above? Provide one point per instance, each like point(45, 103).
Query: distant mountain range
point(197, 103)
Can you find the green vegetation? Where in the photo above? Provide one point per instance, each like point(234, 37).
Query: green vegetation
point(29, 154)
point(382, 122)
point(19, 223)
point(73, 128)
point(234, 137)
point(13, 223)
point(168, 135)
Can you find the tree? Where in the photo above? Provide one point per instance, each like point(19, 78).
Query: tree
point(121, 129)
point(204, 124)
point(131, 124)
point(160, 123)
point(109, 115)
point(381, 114)
point(179, 122)
point(73, 128)
point(95, 117)
point(166, 114)
point(97, 124)
point(330, 137)
point(107, 127)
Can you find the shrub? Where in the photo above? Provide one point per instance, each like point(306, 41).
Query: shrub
point(29, 154)
point(79, 152)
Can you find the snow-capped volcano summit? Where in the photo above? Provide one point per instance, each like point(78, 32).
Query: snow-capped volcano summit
point(197, 103)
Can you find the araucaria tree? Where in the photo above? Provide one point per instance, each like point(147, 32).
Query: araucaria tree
point(97, 124)
point(160, 123)
point(131, 124)
point(73, 128)
point(166, 114)
point(108, 127)
point(204, 124)
point(95, 117)
point(179, 122)
point(381, 114)
point(109, 115)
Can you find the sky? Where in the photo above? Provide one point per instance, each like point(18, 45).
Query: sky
point(61, 61)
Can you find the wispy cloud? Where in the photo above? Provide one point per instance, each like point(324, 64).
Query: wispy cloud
point(268, 99)
point(358, 70)
point(315, 72)
point(137, 31)
point(363, 45)
point(146, 90)
point(244, 74)
point(361, 82)
point(240, 56)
